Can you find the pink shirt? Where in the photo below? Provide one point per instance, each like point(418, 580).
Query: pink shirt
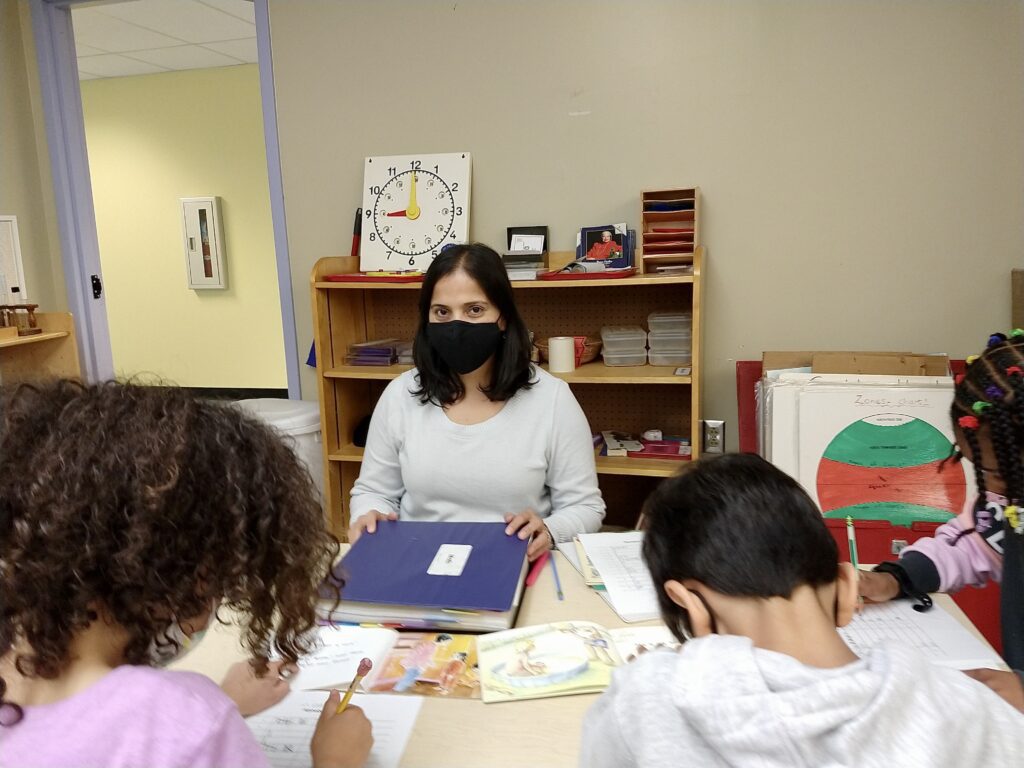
point(135, 717)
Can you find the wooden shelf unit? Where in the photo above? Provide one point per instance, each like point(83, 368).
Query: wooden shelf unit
point(631, 398)
point(50, 354)
point(668, 248)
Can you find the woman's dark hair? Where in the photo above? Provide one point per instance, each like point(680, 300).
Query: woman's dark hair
point(438, 383)
point(145, 504)
point(991, 393)
point(739, 525)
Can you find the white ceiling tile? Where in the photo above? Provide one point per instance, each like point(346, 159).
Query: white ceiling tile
point(185, 57)
point(96, 29)
point(186, 20)
point(87, 50)
point(115, 65)
point(86, 76)
point(243, 50)
point(242, 9)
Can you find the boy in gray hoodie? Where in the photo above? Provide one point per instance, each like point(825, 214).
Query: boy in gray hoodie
point(749, 578)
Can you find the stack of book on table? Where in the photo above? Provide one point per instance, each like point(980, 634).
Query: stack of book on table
point(465, 577)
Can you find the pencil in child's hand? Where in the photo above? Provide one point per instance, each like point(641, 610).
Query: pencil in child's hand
point(851, 537)
point(364, 669)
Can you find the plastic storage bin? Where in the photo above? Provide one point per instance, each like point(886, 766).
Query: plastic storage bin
point(623, 338)
point(669, 321)
point(625, 358)
point(298, 422)
point(670, 358)
point(670, 341)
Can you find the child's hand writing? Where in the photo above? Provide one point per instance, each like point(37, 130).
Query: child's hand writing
point(1007, 684)
point(877, 587)
point(341, 741)
point(254, 694)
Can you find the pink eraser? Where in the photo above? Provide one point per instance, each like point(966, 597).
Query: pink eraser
point(364, 667)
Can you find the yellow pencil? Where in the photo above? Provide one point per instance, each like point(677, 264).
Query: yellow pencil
point(364, 668)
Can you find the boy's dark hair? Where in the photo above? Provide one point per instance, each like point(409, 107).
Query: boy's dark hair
point(991, 393)
point(438, 383)
point(739, 525)
point(148, 504)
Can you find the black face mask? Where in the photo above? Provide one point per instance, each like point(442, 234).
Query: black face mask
point(464, 346)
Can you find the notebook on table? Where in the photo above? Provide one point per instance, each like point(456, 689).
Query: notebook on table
point(466, 577)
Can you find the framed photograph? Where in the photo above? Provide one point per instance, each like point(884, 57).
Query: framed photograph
point(12, 274)
point(605, 244)
point(527, 239)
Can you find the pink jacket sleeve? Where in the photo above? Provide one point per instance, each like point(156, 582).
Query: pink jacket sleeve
point(960, 559)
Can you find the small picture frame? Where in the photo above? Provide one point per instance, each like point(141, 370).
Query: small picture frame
point(530, 239)
point(605, 244)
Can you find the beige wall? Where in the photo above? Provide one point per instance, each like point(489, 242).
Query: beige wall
point(154, 139)
point(861, 162)
point(26, 189)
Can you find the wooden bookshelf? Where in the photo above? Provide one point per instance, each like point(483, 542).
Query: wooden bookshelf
point(50, 354)
point(632, 398)
point(662, 248)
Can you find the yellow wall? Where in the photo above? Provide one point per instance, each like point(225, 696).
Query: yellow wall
point(154, 139)
point(26, 190)
point(861, 162)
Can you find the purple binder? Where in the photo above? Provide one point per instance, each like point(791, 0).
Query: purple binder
point(390, 566)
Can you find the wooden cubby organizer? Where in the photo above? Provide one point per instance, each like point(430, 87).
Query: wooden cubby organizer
point(624, 398)
point(674, 247)
point(50, 354)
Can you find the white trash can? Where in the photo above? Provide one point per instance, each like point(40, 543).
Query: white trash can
point(298, 421)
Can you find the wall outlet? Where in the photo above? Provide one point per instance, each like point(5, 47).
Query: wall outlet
point(714, 436)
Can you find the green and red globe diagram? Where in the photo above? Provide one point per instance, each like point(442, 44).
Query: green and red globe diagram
point(890, 467)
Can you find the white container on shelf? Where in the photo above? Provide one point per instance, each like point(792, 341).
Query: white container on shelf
point(669, 321)
point(616, 359)
point(670, 358)
point(670, 341)
point(623, 338)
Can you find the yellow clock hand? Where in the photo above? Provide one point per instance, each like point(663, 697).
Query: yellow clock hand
point(412, 211)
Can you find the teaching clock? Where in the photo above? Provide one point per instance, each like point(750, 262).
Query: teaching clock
point(413, 205)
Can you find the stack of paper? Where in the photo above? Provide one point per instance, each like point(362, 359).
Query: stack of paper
point(617, 560)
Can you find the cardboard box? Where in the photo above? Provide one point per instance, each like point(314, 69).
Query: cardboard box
point(880, 363)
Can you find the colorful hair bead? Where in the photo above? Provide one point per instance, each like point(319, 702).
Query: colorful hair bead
point(971, 359)
point(993, 391)
point(958, 378)
point(1016, 332)
point(996, 338)
point(980, 406)
point(1012, 514)
point(968, 422)
point(1014, 370)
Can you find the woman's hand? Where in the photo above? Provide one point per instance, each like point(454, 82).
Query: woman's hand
point(254, 694)
point(1006, 684)
point(877, 587)
point(528, 524)
point(368, 523)
point(341, 741)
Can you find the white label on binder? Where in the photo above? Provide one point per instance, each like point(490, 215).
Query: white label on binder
point(450, 560)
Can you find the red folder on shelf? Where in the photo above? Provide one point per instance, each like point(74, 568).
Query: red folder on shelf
point(606, 275)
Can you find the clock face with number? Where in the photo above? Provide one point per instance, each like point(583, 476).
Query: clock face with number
point(413, 205)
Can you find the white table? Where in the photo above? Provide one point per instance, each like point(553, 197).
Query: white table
point(453, 732)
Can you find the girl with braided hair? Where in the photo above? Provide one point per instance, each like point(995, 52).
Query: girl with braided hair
point(986, 541)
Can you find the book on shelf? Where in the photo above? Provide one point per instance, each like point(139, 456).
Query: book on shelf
point(560, 659)
point(677, 448)
point(448, 576)
point(418, 663)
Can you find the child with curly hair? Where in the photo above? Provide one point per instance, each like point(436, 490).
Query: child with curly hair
point(129, 516)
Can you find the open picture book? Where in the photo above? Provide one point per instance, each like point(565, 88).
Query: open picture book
point(560, 659)
point(420, 663)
